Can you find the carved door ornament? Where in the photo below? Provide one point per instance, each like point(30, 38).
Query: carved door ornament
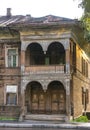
point(34, 98)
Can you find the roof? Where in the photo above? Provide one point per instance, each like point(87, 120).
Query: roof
point(20, 19)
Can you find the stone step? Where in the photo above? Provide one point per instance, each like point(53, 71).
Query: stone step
point(43, 117)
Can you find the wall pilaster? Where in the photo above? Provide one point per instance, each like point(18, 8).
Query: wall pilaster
point(68, 104)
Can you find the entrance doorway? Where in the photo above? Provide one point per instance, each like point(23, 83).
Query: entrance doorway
point(35, 98)
point(53, 101)
point(57, 97)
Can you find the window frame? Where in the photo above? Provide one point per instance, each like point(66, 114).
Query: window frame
point(15, 92)
point(7, 57)
point(84, 65)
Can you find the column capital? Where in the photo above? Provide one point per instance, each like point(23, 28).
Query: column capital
point(44, 85)
point(24, 45)
point(45, 88)
point(66, 44)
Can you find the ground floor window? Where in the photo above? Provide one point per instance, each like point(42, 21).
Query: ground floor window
point(11, 95)
point(11, 99)
point(85, 97)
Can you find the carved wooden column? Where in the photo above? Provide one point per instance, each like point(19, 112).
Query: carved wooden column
point(68, 104)
point(67, 50)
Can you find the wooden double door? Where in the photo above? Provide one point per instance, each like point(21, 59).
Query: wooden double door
point(53, 101)
point(38, 102)
point(58, 102)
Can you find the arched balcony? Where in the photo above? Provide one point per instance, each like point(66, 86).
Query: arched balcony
point(38, 61)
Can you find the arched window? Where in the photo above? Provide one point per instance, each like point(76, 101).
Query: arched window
point(55, 53)
point(34, 55)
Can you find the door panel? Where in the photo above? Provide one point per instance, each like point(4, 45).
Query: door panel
point(62, 102)
point(34, 102)
point(54, 102)
point(41, 103)
point(38, 102)
point(58, 102)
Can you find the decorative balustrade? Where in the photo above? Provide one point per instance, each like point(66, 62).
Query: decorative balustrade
point(45, 69)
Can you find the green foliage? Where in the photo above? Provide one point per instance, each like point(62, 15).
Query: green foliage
point(81, 119)
point(86, 25)
point(7, 119)
point(85, 4)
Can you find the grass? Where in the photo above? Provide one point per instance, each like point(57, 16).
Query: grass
point(7, 119)
point(81, 119)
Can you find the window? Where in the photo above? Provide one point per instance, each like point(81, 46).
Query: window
point(84, 67)
point(12, 57)
point(82, 95)
point(73, 55)
point(11, 99)
point(85, 97)
point(11, 95)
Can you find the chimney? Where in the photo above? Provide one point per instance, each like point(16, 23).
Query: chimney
point(8, 12)
point(28, 17)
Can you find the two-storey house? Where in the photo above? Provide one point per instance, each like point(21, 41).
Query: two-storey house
point(43, 70)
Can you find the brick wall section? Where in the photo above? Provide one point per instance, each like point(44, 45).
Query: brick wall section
point(1, 95)
point(77, 97)
point(8, 76)
point(10, 111)
point(79, 81)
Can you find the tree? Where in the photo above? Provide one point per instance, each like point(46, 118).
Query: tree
point(85, 20)
point(85, 5)
point(86, 25)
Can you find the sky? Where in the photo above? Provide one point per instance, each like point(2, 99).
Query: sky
point(39, 8)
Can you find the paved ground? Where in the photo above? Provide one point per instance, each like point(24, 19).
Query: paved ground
point(44, 124)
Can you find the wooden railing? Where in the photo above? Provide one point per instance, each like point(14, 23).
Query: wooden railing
point(45, 69)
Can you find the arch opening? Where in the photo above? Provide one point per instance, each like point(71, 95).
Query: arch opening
point(57, 99)
point(56, 53)
point(34, 55)
point(53, 101)
point(34, 98)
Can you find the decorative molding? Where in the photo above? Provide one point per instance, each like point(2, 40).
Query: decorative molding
point(45, 43)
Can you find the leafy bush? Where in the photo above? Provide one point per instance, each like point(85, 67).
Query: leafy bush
point(81, 119)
